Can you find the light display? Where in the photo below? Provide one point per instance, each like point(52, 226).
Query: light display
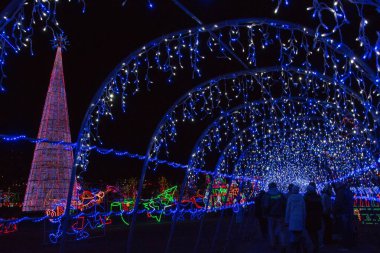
point(161, 202)
point(20, 17)
point(348, 68)
point(7, 228)
point(92, 217)
point(10, 199)
point(18, 22)
point(320, 97)
point(119, 207)
point(92, 212)
point(367, 204)
point(310, 115)
point(305, 97)
point(50, 172)
point(119, 153)
point(337, 11)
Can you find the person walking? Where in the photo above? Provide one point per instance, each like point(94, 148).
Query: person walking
point(314, 212)
point(286, 235)
point(343, 210)
point(263, 224)
point(295, 218)
point(290, 186)
point(274, 209)
point(327, 214)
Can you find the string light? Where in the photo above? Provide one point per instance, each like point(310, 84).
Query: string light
point(89, 211)
point(20, 18)
point(336, 11)
point(16, 30)
point(342, 93)
point(207, 99)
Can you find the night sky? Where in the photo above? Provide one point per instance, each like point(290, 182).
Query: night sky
point(99, 39)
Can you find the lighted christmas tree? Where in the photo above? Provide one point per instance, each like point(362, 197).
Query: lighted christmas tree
point(49, 176)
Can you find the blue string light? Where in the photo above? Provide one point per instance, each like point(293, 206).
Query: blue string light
point(127, 154)
point(167, 54)
point(16, 27)
point(18, 138)
point(18, 22)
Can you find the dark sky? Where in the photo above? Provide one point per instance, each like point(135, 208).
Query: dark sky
point(99, 39)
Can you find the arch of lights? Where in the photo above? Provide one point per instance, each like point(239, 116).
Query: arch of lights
point(213, 96)
point(167, 54)
point(325, 70)
point(292, 46)
point(268, 159)
point(20, 18)
point(283, 122)
point(215, 137)
point(273, 157)
point(318, 87)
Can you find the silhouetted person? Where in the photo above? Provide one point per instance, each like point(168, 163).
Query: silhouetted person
point(239, 210)
point(286, 233)
point(295, 218)
point(314, 212)
point(327, 214)
point(274, 209)
point(343, 210)
point(313, 184)
point(290, 186)
point(259, 214)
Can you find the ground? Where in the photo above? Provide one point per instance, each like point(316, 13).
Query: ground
point(152, 237)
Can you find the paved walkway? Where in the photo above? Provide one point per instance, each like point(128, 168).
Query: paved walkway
point(263, 247)
point(368, 241)
point(152, 237)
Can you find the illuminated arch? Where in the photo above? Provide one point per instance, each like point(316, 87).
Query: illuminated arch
point(203, 145)
point(291, 47)
point(337, 61)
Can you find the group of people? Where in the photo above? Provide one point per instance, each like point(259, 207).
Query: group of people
point(293, 222)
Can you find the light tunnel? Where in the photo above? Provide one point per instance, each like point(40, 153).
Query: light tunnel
point(261, 101)
point(294, 107)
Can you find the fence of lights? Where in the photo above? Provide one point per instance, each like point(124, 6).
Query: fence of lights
point(21, 17)
point(92, 210)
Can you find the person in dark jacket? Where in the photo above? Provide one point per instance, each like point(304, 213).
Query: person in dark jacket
point(327, 214)
point(274, 209)
point(343, 210)
point(287, 235)
point(314, 212)
point(290, 186)
point(295, 219)
point(314, 184)
point(259, 214)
